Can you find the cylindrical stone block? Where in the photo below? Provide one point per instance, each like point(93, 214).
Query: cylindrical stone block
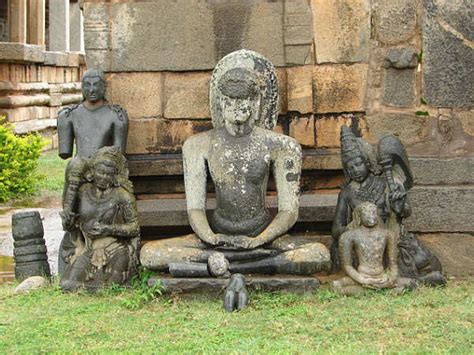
point(30, 251)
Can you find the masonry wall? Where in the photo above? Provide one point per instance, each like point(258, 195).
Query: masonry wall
point(380, 66)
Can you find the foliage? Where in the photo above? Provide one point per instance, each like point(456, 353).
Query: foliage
point(422, 113)
point(425, 321)
point(18, 163)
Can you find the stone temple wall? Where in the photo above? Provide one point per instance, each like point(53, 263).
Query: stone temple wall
point(379, 66)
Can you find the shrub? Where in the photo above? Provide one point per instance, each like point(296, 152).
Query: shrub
point(18, 163)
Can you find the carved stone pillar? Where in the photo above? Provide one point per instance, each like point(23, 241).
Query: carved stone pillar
point(59, 25)
point(17, 19)
point(76, 29)
point(36, 21)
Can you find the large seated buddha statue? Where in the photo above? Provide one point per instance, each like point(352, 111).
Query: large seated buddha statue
point(238, 154)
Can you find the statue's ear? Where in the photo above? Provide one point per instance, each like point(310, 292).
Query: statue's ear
point(89, 176)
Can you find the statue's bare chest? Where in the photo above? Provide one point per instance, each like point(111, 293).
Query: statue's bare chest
point(245, 162)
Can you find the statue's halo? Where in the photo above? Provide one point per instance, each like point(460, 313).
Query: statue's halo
point(264, 69)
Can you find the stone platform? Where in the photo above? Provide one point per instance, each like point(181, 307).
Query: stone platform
point(209, 285)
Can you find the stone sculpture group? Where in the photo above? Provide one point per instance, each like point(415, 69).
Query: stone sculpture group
point(101, 243)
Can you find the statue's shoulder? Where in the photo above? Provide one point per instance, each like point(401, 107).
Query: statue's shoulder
point(124, 196)
point(198, 142)
point(282, 141)
point(65, 112)
point(121, 113)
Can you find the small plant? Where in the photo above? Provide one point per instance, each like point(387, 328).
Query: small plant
point(142, 292)
point(422, 113)
point(18, 163)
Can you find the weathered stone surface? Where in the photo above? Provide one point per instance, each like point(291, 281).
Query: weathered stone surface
point(399, 87)
point(467, 121)
point(441, 209)
point(401, 58)
point(186, 95)
point(300, 89)
point(435, 171)
point(448, 53)
point(409, 128)
point(302, 129)
point(341, 30)
point(215, 285)
point(161, 136)
point(300, 54)
point(395, 20)
point(139, 93)
point(19, 52)
point(282, 90)
point(27, 113)
point(328, 129)
point(172, 211)
point(145, 36)
point(454, 250)
point(30, 284)
point(339, 88)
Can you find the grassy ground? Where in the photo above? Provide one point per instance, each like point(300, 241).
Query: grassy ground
point(52, 168)
point(425, 321)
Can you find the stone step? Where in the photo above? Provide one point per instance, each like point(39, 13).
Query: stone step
point(297, 284)
point(163, 212)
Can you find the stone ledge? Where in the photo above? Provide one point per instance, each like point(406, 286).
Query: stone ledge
point(165, 212)
point(28, 53)
point(297, 284)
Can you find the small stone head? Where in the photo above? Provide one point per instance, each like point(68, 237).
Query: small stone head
point(366, 214)
point(107, 168)
point(93, 85)
point(240, 102)
point(358, 157)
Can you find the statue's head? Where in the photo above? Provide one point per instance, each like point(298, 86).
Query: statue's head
point(358, 157)
point(240, 101)
point(366, 214)
point(107, 168)
point(93, 85)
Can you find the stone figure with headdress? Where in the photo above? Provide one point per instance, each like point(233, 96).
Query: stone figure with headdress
point(238, 155)
point(383, 177)
point(106, 224)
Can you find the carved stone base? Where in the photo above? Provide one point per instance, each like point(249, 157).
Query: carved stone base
point(297, 284)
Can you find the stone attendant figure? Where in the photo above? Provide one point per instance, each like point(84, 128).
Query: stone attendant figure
point(89, 126)
point(239, 154)
point(107, 225)
point(369, 241)
point(382, 177)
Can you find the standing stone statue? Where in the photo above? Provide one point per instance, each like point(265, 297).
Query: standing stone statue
point(239, 153)
point(367, 239)
point(382, 177)
point(89, 126)
point(106, 224)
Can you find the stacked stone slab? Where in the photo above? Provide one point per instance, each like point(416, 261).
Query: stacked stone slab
point(30, 252)
point(382, 66)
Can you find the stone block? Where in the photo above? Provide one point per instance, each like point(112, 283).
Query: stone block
point(302, 129)
point(328, 130)
point(441, 209)
point(216, 285)
point(19, 52)
point(395, 20)
point(161, 136)
point(401, 58)
point(399, 87)
point(282, 90)
point(409, 128)
point(448, 54)
point(26, 113)
point(146, 36)
point(467, 121)
point(454, 250)
point(339, 88)
point(300, 89)
point(341, 30)
point(299, 54)
point(187, 95)
point(448, 171)
point(139, 93)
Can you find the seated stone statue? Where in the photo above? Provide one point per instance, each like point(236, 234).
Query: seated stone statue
point(383, 177)
point(89, 126)
point(369, 241)
point(106, 223)
point(239, 154)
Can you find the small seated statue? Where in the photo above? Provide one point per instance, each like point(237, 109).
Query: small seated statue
point(382, 176)
point(107, 225)
point(369, 241)
point(239, 154)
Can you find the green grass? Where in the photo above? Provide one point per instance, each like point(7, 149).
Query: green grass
point(51, 167)
point(425, 321)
